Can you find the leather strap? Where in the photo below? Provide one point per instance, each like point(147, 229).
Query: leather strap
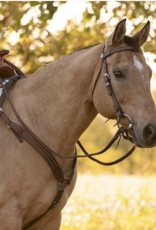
point(47, 154)
point(8, 83)
point(107, 79)
point(117, 50)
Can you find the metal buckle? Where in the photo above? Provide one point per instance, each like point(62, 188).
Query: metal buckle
point(106, 75)
point(107, 84)
point(102, 56)
point(130, 126)
point(63, 185)
point(9, 126)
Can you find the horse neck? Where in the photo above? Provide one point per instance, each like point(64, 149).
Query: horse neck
point(63, 110)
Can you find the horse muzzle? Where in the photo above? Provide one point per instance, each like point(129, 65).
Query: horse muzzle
point(146, 137)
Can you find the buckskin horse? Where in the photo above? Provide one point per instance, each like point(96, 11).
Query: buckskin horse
point(57, 103)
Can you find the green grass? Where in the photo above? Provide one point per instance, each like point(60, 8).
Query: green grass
point(111, 203)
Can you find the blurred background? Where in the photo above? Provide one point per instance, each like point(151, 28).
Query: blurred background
point(37, 33)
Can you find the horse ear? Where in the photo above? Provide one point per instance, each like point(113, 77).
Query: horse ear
point(118, 34)
point(142, 35)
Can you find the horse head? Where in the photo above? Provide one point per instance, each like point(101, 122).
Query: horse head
point(130, 80)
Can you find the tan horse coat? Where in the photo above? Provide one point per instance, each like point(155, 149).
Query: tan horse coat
point(56, 103)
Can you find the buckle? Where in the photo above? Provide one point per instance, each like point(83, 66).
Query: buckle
point(63, 185)
point(102, 56)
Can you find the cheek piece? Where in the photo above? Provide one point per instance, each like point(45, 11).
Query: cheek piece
point(119, 112)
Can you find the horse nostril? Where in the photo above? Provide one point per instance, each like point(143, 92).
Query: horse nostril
point(149, 132)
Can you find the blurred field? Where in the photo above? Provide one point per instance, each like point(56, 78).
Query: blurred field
point(109, 202)
point(97, 136)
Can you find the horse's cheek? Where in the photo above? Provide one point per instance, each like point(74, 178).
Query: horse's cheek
point(102, 101)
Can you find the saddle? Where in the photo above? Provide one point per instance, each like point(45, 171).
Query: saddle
point(6, 71)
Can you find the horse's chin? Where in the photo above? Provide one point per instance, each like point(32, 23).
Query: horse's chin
point(140, 142)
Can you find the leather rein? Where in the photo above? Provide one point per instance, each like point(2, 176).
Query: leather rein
point(24, 133)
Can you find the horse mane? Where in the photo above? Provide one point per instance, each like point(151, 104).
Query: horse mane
point(81, 49)
point(87, 47)
point(131, 42)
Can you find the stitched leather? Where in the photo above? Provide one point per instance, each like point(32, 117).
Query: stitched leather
point(23, 132)
point(6, 71)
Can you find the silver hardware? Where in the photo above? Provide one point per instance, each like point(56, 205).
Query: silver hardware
point(1, 109)
point(130, 126)
point(107, 84)
point(102, 56)
point(63, 185)
point(9, 126)
point(106, 76)
point(130, 120)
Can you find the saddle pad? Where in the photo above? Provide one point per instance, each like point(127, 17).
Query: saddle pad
point(8, 83)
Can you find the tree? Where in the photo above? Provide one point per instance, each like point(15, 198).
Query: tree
point(28, 21)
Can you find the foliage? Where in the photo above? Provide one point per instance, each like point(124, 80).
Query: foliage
point(28, 20)
point(36, 45)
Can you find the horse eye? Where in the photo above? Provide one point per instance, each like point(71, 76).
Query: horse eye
point(118, 74)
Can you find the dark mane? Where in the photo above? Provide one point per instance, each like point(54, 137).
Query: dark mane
point(88, 47)
point(131, 42)
point(68, 55)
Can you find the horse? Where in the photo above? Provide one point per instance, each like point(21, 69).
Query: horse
point(58, 102)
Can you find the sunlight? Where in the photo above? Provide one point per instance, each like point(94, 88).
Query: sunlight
point(13, 38)
point(68, 11)
point(106, 199)
point(32, 14)
point(150, 61)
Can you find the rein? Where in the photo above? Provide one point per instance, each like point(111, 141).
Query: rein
point(23, 132)
point(121, 132)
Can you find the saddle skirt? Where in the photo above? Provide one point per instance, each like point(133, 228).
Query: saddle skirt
point(8, 83)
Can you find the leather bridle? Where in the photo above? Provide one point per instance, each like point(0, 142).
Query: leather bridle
point(121, 132)
point(23, 132)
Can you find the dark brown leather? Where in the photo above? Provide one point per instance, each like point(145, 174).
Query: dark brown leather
point(121, 49)
point(6, 71)
point(18, 71)
point(23, 132)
